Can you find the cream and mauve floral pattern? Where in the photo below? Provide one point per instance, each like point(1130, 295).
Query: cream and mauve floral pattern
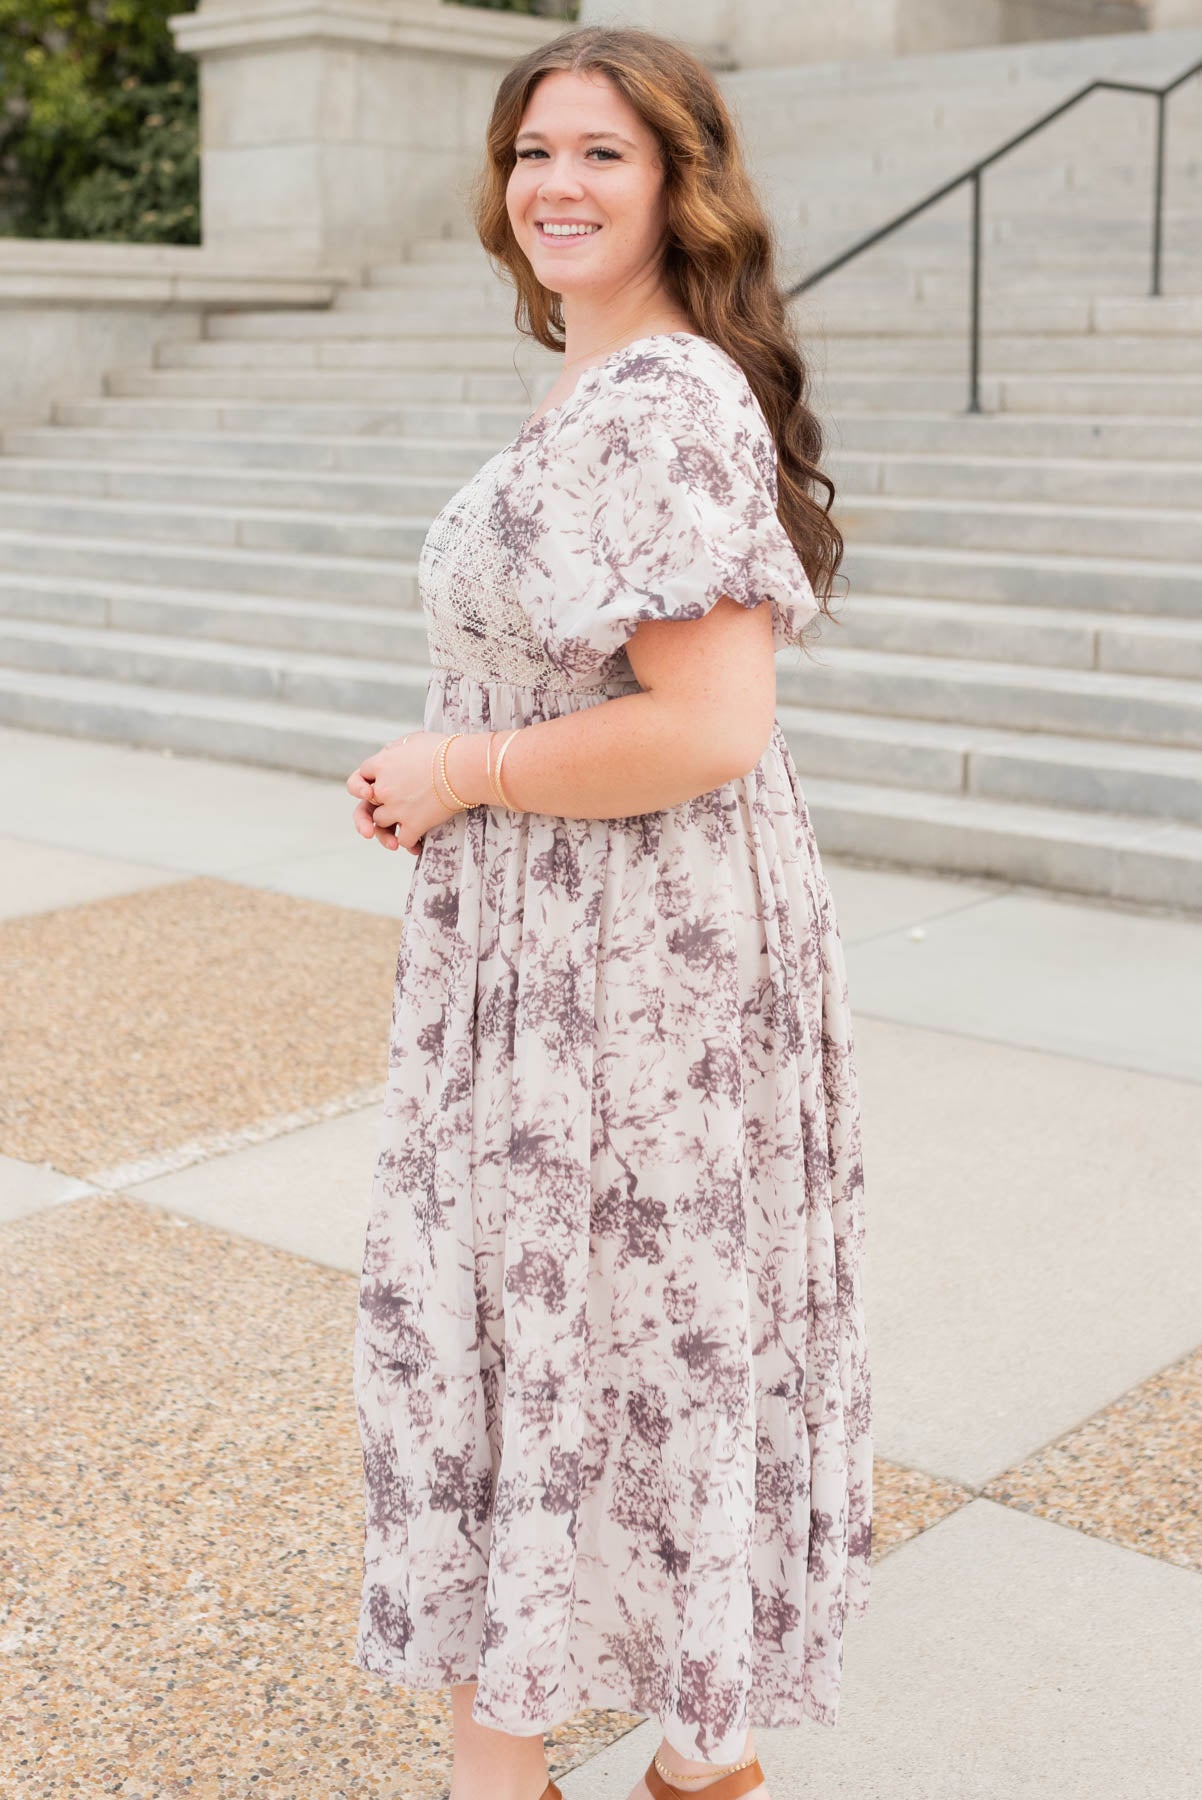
point(610, 1363)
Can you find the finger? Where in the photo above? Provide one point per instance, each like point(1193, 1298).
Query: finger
point(358, 784)
point(363, 819)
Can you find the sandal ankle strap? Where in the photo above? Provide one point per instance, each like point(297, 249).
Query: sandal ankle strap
point(728, 1788)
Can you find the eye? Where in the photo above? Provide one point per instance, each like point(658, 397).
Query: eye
point(598, 149)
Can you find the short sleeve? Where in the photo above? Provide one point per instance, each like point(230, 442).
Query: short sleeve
point(662, 498)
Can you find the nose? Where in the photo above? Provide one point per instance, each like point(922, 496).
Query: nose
point(558, 179)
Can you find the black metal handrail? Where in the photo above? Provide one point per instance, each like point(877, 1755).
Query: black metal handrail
point(974, 174)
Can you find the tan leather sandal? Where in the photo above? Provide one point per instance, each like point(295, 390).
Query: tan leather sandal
point(551, 1792)
point(728, 1788)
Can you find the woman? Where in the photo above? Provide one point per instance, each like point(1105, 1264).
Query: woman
point(610, 1361)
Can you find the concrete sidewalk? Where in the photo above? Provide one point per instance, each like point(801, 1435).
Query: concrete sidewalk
point(198, 963)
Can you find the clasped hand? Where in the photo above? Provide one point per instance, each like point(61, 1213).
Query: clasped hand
point(397, 801)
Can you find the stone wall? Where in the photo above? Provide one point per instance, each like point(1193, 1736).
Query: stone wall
point(734, 34)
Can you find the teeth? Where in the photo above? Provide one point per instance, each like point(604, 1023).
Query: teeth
point(569, 230)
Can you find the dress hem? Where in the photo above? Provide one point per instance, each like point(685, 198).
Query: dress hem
point(391, 1669)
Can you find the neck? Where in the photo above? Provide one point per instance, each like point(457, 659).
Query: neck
point(596, 332)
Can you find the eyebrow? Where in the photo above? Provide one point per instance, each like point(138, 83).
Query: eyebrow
point(584, 135)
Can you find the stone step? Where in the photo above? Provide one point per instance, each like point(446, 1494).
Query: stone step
point(248, 671)
point(1040, 768)
point(320, 490)
point(490, 424)
point(1094, 584)
point(1093, 704)
point(1088, 703)
point(1149, 396)
point(451, 460)
point(1096, 276)
point(1085, 186)
point(1032, 436)
point(486, 352)
point(1069, 480)
point(424, 316)
point(1108, 856)
point(360, 581)
point(1114, 856)
point(1032, 314)
point(228, 729)
point(219, 616)
point(1047, 528)
point(1117, 226)
point(297, 531)
point(1092, 354)
point(333, 385)
point(1172, 313)
point(1029, 635)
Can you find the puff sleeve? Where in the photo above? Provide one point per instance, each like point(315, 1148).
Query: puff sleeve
point(661, 498)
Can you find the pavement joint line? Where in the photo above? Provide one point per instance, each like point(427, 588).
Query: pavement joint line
point(205, 1149)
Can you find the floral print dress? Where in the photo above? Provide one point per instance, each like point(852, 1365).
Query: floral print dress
point(610, 1362)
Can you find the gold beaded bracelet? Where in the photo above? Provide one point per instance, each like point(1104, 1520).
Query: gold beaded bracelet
point(673, 1775)
point(440, 757)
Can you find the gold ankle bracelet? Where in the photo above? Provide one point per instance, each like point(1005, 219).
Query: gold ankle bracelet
point(727, 1769)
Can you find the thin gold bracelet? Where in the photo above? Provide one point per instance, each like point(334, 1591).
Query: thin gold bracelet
point(505, 800)
point(492, 774)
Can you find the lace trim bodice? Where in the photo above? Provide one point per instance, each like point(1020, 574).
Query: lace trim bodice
point(467, 580)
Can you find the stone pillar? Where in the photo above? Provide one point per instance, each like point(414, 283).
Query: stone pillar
point(334, 130)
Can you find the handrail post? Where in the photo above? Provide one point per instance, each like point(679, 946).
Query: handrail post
point(1162, 100)
point(974, 381)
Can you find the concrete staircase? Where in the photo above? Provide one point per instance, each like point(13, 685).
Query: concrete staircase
point(219, 554)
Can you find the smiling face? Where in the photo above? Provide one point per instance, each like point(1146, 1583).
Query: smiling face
point(586, 158)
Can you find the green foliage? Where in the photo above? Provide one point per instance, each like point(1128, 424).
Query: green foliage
point(99, 126)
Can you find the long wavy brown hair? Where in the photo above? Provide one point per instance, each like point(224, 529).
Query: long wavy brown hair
point(721, 250)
